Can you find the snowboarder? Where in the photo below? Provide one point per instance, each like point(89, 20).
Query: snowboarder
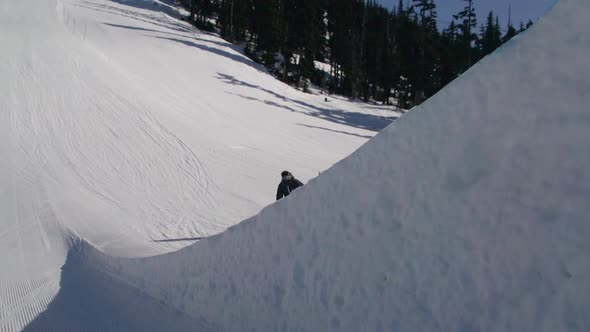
point(287, 185)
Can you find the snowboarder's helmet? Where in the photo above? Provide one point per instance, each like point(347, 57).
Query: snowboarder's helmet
point(284, 173)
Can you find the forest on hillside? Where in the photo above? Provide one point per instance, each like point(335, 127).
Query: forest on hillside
point(402, 56)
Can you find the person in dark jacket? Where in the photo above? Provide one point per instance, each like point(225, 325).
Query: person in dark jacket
point(287, 185)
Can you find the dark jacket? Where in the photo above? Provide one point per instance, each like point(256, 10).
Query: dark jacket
point(287, 186)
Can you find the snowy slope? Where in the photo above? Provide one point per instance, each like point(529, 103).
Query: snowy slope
point(123, 126)
point(468, 214)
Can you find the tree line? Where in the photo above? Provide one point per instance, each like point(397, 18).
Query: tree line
point(373, 53)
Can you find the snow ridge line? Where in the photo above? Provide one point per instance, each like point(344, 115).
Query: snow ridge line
point(86, 258)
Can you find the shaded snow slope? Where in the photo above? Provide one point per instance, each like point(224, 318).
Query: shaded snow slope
point(125, 127)
point(469, 214)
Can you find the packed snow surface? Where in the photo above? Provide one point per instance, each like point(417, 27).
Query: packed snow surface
point(125, 132)
point(123, 126)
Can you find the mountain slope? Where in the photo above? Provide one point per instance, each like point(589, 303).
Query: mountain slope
point(470, 213)
point(123, 126)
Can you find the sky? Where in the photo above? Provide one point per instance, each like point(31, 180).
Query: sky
point(522, 10)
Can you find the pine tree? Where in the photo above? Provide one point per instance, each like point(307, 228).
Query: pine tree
point(267, 29)
point(426, 11)
point(429, 57)
point(374, 53)
point(235, 18)
point(450, 56)
point(510, 32)
point(491, 36)
point(468, 22)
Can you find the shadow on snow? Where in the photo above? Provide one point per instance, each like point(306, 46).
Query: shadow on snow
point(187, 35)
point(180, 239)
point(352, 119)
point(335, 131)
point(93, 299)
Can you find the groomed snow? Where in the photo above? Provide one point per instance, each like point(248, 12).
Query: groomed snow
point(123, 126)
point(468, 214)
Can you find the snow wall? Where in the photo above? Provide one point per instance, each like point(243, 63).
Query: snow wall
point(469, 214)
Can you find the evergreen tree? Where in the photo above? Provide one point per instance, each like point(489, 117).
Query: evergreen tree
point(235, 17)
point(426, 11)
point(429, 54)
point(374, 53)
point(491, 36)
point(529, 24)
point(452, 54)
point(510, 32)
point(467, 23)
